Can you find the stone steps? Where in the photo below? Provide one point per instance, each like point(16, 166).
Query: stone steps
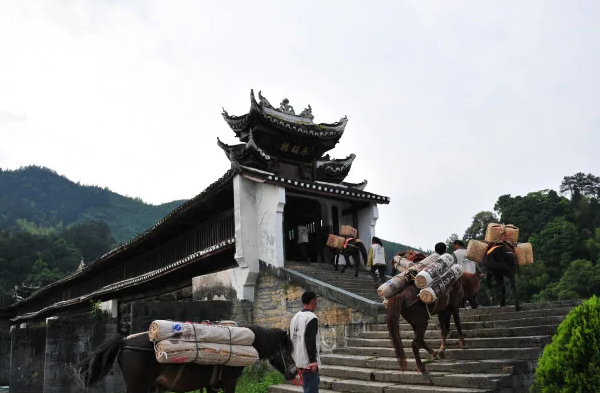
point(502, 348)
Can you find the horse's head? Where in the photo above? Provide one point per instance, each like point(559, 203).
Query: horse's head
point(283, 360)
point(275, 345)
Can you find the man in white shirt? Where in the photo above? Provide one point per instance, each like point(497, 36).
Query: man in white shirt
point(304, 331)
point(460, 257)
point(302, 240)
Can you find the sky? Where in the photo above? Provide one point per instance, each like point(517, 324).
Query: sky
point(450, 104)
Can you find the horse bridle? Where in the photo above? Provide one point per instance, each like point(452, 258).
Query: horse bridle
point(285, 366)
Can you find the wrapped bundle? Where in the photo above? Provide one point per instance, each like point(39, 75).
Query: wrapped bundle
point(442, 284)
point(427, 261)
point(392, 286)
point(433, 271)
point(200, 332)
point(176, 351)
point(335, 242)
point(402, 264)
point(524, 254)
point(385, 303)
point(500, 232)
point(347, 230)
point(476, 250)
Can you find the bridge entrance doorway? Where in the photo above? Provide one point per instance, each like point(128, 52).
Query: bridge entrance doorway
point(302, 229)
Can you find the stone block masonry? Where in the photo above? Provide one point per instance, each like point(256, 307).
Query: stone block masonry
point(276, 301)
point(4, 355)
point(68, 341)
point(27, 359)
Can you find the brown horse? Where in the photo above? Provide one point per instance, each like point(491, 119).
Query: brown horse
point(143, 374)
point(408, 305)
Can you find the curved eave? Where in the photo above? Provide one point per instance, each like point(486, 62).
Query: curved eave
point(336, 164)
point(359, 186)
point(242, 150)
point(284, 121)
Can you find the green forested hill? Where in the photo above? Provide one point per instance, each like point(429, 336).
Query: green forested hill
point(39, 200)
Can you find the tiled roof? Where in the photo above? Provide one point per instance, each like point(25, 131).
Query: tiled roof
point(131, 281)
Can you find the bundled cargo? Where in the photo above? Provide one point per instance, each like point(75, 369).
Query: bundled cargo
point(433, 271)
point(500, 232)
point(427, 261)
point(524, 254)
point(402, 264)
point(177, 351)
point(392, 286)
point(442, 284)
point(200, 332)
point(347, 230)
point(476, 250)
point(336, 242)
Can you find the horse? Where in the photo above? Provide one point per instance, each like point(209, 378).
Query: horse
point(501, 261)
point(470, 289)
point(353, 248)
point(408, 305)
point(143, 374)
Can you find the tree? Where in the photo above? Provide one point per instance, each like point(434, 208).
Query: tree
point(479, 225)
point(581, 183)
point(557, 244)
point(580, 281)
point(571, 363)
point(450, 242)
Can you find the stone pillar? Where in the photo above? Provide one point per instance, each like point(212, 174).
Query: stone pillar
point(258, 211)
point(4, 355)
point(27, 359)
point(367, 218)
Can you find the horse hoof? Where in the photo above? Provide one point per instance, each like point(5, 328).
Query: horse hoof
point(518, 308)
point(423, 372)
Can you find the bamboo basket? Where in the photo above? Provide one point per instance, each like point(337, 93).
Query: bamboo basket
point(476, 250)
point(433, 271)
point(524, 254)
point(392, 286)
point(336, 242)
point(176, 351)
point(499, 232)
point(200, 332)
point(347, 230)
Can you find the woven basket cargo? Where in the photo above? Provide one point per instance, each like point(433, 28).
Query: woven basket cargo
point(524, 254)
point(200, 332)
point(347, 230)
point(499, 232)
point(176, 351)
point(476, 250)
point(336, 242)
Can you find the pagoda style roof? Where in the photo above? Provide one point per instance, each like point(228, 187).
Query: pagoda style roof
point(246, 153)
point(284, 119)
point(336, 169)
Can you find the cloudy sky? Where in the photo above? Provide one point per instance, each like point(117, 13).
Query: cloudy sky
point(450, 103)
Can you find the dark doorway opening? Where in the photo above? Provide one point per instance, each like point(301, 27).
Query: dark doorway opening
point(302, 212)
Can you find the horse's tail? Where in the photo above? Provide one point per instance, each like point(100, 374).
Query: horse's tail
point(96, 366)
point(363, 252)
point(393, 324)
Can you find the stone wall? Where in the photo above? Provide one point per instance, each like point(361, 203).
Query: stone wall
point(277, 301)
point(68, 341)
point(27, 359)
point(4, 355)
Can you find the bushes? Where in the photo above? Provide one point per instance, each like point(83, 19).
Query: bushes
point(257, 378)
point(571, 363)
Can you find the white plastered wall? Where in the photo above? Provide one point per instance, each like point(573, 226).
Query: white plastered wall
point(258, 214)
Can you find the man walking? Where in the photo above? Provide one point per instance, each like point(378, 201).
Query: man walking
point(304, 330)
point(460, 257)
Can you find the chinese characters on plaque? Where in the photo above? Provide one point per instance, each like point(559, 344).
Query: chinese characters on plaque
point(294, 149)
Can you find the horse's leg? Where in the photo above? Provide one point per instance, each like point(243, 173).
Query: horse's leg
point(229, 385)
point(356, 257)
point(500, 281)
point(456, 316)
point(513, 284)
point(346, 259)
point(444, 320)
point(419, 328)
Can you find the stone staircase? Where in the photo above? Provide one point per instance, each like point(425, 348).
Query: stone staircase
point(503, 348)
point(363, 285)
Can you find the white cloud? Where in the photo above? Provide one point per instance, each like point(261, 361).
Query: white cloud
point(450, 105)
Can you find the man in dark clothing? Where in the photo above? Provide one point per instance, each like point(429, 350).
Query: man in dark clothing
point(304, 330)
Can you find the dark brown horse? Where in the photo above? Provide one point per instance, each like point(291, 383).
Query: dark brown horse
point(355, 249)
point(500, 262)
point(408, 305)
point(143, 374)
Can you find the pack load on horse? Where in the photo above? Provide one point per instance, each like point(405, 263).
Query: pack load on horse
point(347, 245)
point(202, 343)
point(442, 282)
point(138, 353)
point(500, 255)
point(434, 275)
point(497, 235)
